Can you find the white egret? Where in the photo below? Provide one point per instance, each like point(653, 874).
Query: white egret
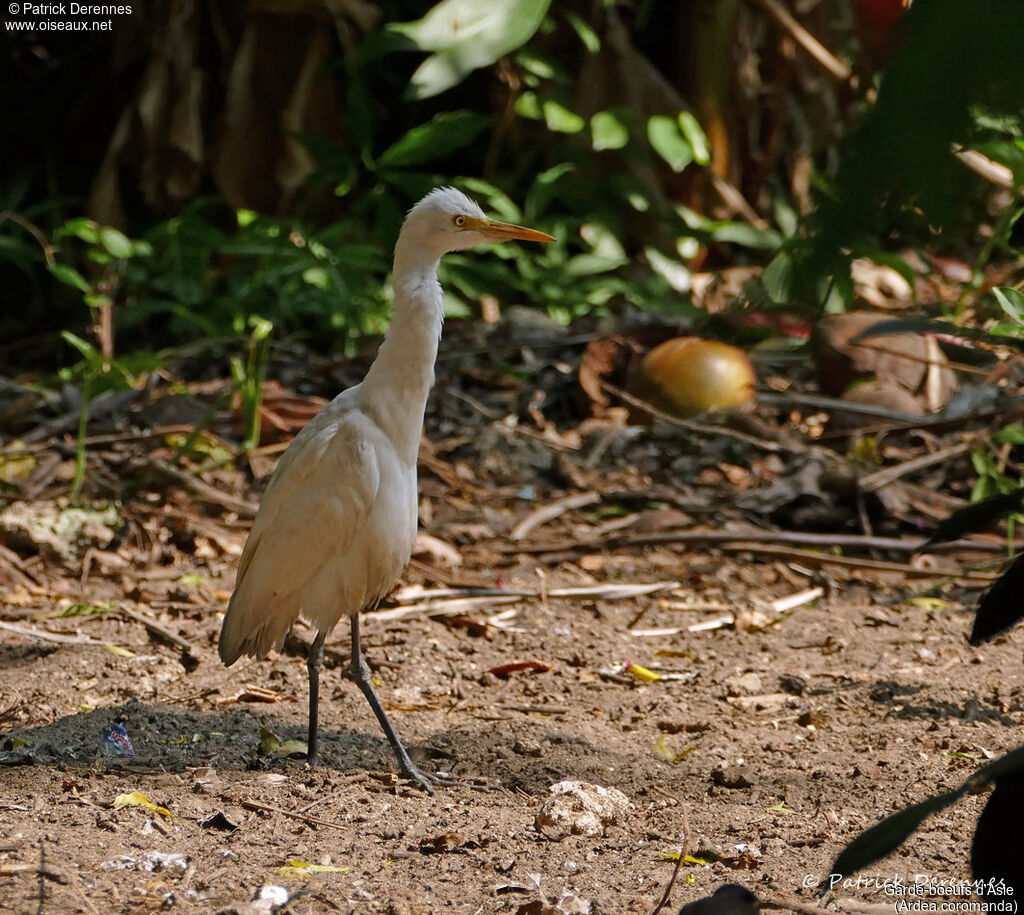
point(337, 522)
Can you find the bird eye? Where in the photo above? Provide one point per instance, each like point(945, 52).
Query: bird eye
point(459, 221)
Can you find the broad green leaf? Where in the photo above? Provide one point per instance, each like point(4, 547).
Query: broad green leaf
point(116, 243)
point(739, 233)
point(560, 119)
point(668, 141)
point(69, 275)
point(588, 264)
point(602, 241)
point(786, 216)
point(675, 273)
point(1004, 329)
point(1012, 434)
point(695, 136)
point(607, 131)
point(528, 106)
point(1011, 301)
point(466, 35)
point(85, 229)
point(442, 134)
point(778, 278)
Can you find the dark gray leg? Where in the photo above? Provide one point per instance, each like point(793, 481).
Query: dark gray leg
point(313, 661)
point(361, 676)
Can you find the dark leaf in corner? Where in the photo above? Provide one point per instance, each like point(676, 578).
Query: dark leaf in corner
point(995, 852)
point(1002, 606)
point(976, 517)
point(875, 843)
point(938, 328)
point(728, 899)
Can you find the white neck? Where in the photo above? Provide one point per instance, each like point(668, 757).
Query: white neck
point(394, 391)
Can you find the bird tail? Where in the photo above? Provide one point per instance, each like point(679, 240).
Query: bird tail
point(250, 628)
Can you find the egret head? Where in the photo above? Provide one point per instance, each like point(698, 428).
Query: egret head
point(447, 220)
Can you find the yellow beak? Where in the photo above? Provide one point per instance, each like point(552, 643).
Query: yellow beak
point(506, 231)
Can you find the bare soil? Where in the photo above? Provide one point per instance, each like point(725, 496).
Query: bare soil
point(775, 738)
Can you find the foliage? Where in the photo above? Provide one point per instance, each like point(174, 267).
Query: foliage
point(954, 83)
point(97, 374)
point(248, 375)
point(624, 168)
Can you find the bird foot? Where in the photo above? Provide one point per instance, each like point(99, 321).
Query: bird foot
point(426, 782)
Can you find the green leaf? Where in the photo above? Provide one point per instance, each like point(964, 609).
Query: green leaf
point(778, 278)
point(317, 277)
point(739, 233)
point(668, 141)
point(466, 35)
point(551, 175)
point(1013, 434)
point(1011, 301)
point(695, 137)
point(586, 34)
point(69, 275)
point(261, 328)
point(675, 274)
point(535, 66)
point(86, 349)
point(588, 264)
point(560, 119)
point(607, 131)
point(1003, 329)
point(116, 243)
point(528, 106)
point(441, 135)
point(82, 228)
point(785, 214)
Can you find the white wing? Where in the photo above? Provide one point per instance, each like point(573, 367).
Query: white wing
point(313, 511)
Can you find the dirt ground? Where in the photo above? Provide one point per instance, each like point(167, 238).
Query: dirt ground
point(771, 736)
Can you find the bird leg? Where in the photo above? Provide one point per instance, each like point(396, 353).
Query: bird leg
point(361, 675)
point(313, 661)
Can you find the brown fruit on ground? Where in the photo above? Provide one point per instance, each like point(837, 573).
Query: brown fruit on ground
point(688, 375)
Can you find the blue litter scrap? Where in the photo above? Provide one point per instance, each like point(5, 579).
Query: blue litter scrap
point(117, 740)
